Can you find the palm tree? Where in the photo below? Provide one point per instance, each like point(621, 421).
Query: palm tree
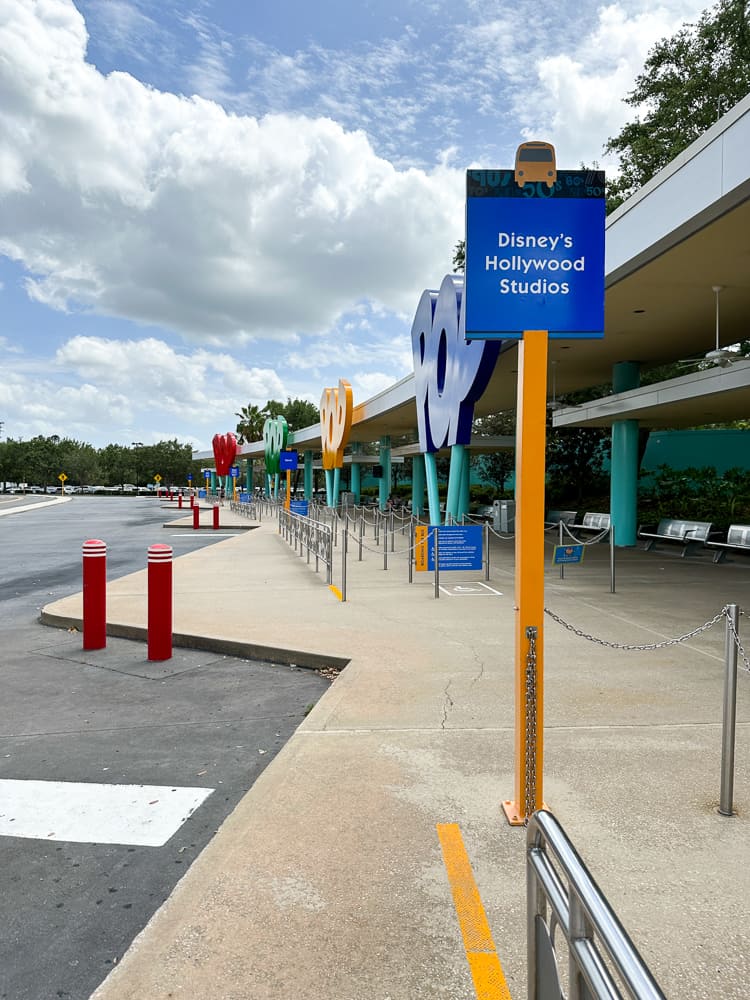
point(250, 426)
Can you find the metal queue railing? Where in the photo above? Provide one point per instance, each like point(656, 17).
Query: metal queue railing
point(603, 963)
point(309, 537)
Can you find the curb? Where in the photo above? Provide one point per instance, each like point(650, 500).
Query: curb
point(211, 644)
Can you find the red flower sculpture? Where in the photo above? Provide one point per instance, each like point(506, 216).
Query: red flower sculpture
point(225, 449)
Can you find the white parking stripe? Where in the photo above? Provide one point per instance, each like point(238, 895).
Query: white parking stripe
point(89, 813)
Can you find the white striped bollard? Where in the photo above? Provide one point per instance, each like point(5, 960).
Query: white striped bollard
point(160, 602)
point(94, 594)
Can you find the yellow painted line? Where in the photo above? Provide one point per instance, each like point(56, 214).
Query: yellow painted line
point(336, 591)
point(486, 971)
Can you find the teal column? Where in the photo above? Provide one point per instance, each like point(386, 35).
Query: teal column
point(417, 484)
point(385, 461)
point(249, 476)
point(624, 461)
point(458, 454)
point(329, 487)
point(433, 496)
point(356, 472)
point(464, 496)
point(336, 486)
point(213, 482)
point(308, 475)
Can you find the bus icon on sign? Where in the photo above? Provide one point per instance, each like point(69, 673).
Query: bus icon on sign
point(535, 161)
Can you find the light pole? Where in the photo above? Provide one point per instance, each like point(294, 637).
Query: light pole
point(137, 445)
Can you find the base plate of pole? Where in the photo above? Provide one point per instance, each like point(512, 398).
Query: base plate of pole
point(514, 812)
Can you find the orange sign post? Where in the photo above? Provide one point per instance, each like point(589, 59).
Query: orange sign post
point(531, 433)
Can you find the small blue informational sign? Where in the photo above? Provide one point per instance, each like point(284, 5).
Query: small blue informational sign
point(534, 255)
point(244, 498)
point(201, 494)
point(234, 471)
point(288, 461)
point(567, 554)
point(190, 477)
point(299, 507)
point(459, 547)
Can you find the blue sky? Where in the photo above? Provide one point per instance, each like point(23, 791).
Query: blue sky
point(209, 203)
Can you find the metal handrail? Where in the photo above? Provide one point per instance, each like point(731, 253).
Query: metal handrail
point(584, 916)
point(315, 538)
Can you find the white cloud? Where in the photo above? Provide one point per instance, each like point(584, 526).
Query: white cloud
point(169, 211)
point(583, 87)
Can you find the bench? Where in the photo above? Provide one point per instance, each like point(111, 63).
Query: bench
point(738, 540)
point(593, 522)
point(692, 535)
point(556, 516)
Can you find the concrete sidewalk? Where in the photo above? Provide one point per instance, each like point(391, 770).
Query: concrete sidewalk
point(328, 881)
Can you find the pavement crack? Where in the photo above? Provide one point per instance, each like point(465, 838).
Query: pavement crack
point(447, 705)
point(480, 663)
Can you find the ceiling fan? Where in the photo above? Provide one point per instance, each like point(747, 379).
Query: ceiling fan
point(721, 356)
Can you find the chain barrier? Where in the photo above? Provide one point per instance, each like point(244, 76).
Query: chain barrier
point(530, 748)
point(638, 647)
point(377, 552)
point(589, 541)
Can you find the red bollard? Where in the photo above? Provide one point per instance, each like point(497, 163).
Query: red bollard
point(179, 501)
point(196, 517)
point(216, 516)
point(94, 594)
point(192, 501)
point(160, 602)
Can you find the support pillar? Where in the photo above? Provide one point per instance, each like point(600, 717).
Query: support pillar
point(417, 484)
point(464, 494)
point(385, 461)
point(308, 473)
point(356, 474)
point(624, 462)
point(433, 496)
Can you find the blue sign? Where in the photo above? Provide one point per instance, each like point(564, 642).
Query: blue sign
point(190, 477)
point(244, 498)
point(234, 471)
point(534, 256)
point(299, 507)
point(288, 461)
point(459, 547)
point(568, 554)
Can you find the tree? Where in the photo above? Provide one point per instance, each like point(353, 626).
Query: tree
point(687, 82)
point(575, 463)
point(498, 466)
point(300, 413)
point(250, 426)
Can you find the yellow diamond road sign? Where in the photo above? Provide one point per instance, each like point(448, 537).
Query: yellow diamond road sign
point(157, 479)
point(62, 477)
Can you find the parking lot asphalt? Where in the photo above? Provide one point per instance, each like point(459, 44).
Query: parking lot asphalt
point(327, 880)
point(79, 882)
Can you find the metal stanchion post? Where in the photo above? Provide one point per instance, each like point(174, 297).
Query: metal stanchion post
point(159, 602)
point(435, 533)
point(730, 707)
point(344, 547)
point(410, 553)
point(94, 594)
point(487, 549)
point(361, 532)
point(393, 531)
point(562, 565)
point(611, 558)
